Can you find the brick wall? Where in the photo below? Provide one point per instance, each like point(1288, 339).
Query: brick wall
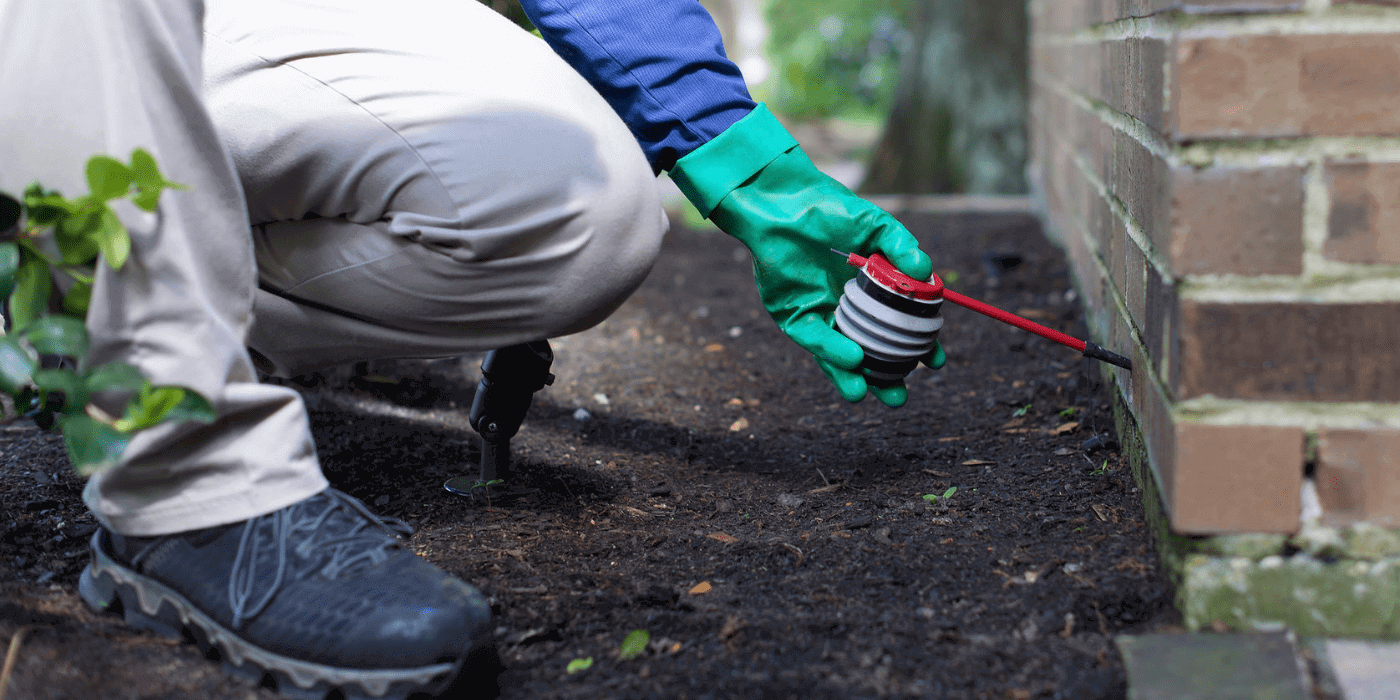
point(1225, 176)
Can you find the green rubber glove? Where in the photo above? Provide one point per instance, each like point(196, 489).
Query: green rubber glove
point(755, 183)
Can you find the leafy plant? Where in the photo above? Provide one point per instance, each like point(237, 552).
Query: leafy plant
point(1103, 469)
point(634, 645)
point(1021, 411)
point(50, 248)
point(1067, 413)
point(579, 665)
point(835, 58)
point(486, 484)
point(931, 497)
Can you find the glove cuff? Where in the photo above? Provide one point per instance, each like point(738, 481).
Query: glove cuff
point(709, 173)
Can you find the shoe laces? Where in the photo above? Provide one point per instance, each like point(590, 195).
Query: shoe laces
point(342, 536)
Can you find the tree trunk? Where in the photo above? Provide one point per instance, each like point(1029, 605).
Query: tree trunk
point(958, 122)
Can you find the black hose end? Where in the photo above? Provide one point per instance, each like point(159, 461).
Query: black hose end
point(1112, 358)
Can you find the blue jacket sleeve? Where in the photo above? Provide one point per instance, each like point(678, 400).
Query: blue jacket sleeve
point(659, 63)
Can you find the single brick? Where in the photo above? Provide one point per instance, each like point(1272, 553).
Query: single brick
point(1141, 181)
point(1286, 85)
point(1159, 327)
point(1289, 351)
point(1365, 212)
point(1159, 432)
point(1117, 255)
point(1358, 475)
point(1134, 73)
point(1236, 478)
point(1237, 221)
point(1135, 284)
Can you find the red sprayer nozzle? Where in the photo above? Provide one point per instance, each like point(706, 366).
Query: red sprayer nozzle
point(884, 272)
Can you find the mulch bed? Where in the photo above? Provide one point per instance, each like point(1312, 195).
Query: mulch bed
point(696, 477)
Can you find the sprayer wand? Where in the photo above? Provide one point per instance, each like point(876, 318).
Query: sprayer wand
point(882, 272)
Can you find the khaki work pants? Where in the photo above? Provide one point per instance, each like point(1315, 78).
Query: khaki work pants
point(367, 180)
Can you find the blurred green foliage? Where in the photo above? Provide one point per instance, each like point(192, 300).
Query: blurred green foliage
point(835, 58)
point(511, 9)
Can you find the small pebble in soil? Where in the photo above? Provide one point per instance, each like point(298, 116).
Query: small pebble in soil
point(582, 414)
point(788, 500)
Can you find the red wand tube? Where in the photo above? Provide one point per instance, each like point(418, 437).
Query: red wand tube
point(1089, 349)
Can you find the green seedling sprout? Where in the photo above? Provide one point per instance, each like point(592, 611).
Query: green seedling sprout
point(1067, 413)
point(484, 484)
point(1103, 469)
point(1021, 411)
point(579, 665)
point(931, 497)
point(634, 645)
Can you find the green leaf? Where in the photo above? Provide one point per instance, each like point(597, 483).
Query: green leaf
point(150, 183)
point(16, 366)
point(148, 407)
point(155, 404)
point(78, 298)
point(1021, 411)
point(114, 376)
point(579, 665)
point(74, 389)
point(9, 212)
point(76, 233)
point(92, 444)
point(949, 493)
point(113, 240)
point(634, 645)
point(107, 178)
point(193, 407)
point(58, 335)
point(33, 284)
point(46, 207)
point(9, 265)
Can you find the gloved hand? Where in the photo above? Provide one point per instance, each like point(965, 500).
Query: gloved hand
point(755, 183)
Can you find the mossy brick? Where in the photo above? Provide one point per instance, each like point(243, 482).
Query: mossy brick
point(1308, 595)
point(1367, 541)
point(1250, 545)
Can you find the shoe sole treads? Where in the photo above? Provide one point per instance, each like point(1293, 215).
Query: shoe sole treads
point(149, 605)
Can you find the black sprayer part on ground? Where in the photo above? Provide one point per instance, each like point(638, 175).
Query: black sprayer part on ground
point(510, 377)
point(1089, 349)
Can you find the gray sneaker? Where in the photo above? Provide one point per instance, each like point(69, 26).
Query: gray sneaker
point(314, 598)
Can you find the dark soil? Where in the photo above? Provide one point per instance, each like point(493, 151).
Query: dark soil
point(714, 456)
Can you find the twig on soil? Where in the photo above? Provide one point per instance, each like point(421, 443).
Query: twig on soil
point(823, 476)
point(1103, 624)
point(10, 657)
point(795, 550)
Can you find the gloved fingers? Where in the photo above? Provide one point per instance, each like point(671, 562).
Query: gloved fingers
point(896, 243)
point(892, 396)
point(851, 385)
point(937, 358)
point(815, 336)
